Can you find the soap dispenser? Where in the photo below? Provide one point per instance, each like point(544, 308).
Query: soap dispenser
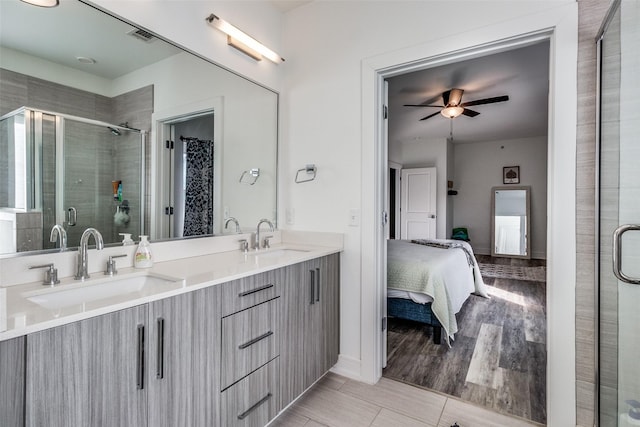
point(142, 258)
point(126, 239)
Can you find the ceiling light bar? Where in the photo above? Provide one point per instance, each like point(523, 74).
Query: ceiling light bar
point(42, 3)
point(243, 42)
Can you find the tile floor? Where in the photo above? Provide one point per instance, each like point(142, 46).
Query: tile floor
point(338, 401)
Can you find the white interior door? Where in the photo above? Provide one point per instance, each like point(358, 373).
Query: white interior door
point(418, 213)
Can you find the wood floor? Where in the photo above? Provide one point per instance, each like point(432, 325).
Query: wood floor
point(498, 358)
point(336, 401)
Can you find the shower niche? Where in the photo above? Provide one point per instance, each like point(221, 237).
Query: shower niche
point(71, 171)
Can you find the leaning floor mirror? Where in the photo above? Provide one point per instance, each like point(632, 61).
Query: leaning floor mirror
point(510, 222)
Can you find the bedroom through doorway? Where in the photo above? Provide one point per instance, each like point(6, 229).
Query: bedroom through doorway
point(497, 354)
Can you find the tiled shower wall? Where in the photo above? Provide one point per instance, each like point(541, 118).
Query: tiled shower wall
point(591, 13)
point(134, 108)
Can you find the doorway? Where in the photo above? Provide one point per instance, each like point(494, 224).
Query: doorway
point(505, 334)
point(559, 27)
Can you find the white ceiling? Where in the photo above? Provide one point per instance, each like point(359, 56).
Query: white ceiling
point(522, 74)
point(286, 5)
point(72, 29)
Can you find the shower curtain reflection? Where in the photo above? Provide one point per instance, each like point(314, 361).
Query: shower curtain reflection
point(198, 203)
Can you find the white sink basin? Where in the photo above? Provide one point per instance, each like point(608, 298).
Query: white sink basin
point(277, 253)
point(113, 288)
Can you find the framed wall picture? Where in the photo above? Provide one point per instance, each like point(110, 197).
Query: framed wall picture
point(511, 175)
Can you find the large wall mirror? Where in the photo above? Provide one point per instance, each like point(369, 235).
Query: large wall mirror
point(510, 222)
point(106, 125)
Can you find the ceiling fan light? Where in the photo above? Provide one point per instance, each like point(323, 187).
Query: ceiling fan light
point(452, 112)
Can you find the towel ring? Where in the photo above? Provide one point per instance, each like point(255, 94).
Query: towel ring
point(310, 170)
point(251, 175)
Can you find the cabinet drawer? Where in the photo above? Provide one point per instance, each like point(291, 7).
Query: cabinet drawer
point(253, 401)
point(249, 340)
point(249, 291)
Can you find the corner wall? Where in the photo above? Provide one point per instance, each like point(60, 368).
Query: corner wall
point(478, 168)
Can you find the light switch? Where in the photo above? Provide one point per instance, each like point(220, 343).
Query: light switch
point(354, 217)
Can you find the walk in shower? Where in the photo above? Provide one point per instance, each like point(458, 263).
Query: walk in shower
point(619, 217)
point(67, 170)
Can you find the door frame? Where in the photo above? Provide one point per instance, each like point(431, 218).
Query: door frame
point(559, 26)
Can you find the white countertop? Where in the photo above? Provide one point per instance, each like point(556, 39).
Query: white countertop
point(24, 316)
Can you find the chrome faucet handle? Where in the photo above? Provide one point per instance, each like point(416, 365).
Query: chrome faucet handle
point(266, 242)
point(244, 245)
point(111, 265)
point(50, 276)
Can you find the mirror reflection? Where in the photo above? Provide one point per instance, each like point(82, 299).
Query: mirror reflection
point(105, 125)
point(510, 227)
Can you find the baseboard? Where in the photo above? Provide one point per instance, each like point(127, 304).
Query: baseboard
point(348, 367)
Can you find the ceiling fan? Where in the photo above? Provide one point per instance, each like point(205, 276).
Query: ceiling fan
point(453, 105)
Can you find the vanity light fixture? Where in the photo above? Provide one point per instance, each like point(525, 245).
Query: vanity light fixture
point(243, 42)
point(43, 3)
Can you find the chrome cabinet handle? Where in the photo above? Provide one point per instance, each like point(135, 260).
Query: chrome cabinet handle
point(140, 359)
point(244, 415)
point(255, 340)
point(253, 291)
point(312, 283)
point(317, 285)
point(617, 252)
point(160, 349)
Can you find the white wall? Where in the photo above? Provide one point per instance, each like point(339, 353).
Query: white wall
point(478, 167)
point(328, 118)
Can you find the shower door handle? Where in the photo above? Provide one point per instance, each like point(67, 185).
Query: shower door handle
point(617, 252)
point(72, 217)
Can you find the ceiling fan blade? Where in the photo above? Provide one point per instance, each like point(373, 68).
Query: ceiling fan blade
point(423, 105)
point(469, 113)
point(485, 101)
point(430, 115)
point(455, 97)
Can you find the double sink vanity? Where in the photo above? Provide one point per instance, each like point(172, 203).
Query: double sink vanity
point(210, 335)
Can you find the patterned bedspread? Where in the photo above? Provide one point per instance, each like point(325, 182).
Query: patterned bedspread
point(443, 274)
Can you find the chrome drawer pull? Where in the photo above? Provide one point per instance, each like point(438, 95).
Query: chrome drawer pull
point(244, 415)
point(255, 340)
point(253, 291)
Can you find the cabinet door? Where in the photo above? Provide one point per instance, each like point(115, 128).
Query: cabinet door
point(183, 351)
point(330, 285)
point(12, 382)
point(292, 333)
point(313, 363)
point(88, 373)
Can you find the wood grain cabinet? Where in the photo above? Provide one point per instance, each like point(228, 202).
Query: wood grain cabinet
point(184, 348)
point(12, 377)
point(153, 364)
point(309, 324)
point(88, 373)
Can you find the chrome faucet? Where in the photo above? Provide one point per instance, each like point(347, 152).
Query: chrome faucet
point(257, 243)
point(58, 232)
point(232, 219)
point(83, 258)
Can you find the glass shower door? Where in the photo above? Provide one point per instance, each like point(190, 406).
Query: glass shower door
point(619, 217)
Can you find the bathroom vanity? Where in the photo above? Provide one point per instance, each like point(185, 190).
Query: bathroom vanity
point(231, 342)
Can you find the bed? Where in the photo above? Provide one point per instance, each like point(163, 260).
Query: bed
point(430, 284)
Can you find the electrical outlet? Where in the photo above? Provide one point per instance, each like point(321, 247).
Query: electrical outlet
point(354, 217)
point(290, 214)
